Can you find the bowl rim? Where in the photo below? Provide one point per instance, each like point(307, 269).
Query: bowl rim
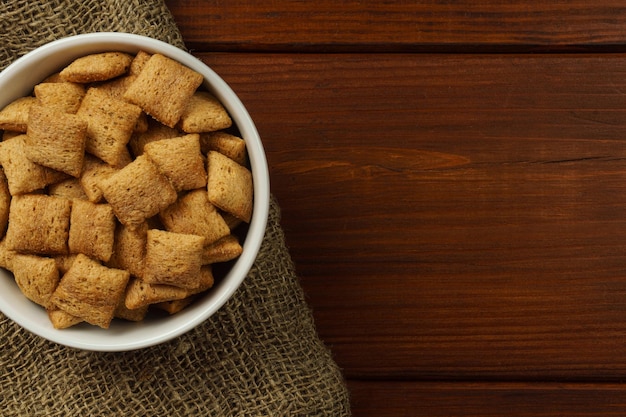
point(128, 335)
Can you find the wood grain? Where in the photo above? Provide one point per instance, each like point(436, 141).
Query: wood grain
point(375, 26)
point(454, 204)
point(475, 399)
point(451, 216)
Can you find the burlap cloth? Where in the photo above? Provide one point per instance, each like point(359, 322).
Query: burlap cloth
point(259, 355)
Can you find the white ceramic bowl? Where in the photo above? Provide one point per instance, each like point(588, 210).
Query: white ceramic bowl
point(17, 80)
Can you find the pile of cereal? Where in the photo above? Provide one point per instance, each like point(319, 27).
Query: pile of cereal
point(120, 189)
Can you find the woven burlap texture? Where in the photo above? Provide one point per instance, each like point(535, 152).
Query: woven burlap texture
point(259, 355)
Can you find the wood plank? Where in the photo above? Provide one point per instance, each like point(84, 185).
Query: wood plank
point(451, 216)
point(415, 399)
point(371, 25)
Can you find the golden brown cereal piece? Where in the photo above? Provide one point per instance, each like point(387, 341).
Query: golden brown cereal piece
point(37, 277)
point(163, 88)
point(193, 214)
point(63, 97)
point(94, 171)
point(129, 249)
point(140, 294)
point(5, 203)
point(111, 123)
point(39, 224)
point(205, 283)
point(14, 116)
point(225, 249)
point(115, 89)
point(180, 160)
point(92, 230)
point(204, 113)
point(56, 140)
point(137, 192)
point(64, 262)
point(229, 185)
point(230, 145)
point(97, 67)
point(61, 319)
point(122, 312)
point(23, 175)
point(90, 291)
point(69, 188)
point(173, 259)
point(136, 66)
point(155, 131)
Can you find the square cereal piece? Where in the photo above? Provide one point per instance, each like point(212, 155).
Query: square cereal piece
point(14, 116)
point(92, 230)
point(23, 175)
point(97, 67)
point(180, 160)
point(90, 291)
point(163, 88)
point(129, 249)
point(37, 277)
point(39, 224)
point(111, 123)
point(69, 188)
point(173, 259)
point(94, 171)
point(230, 145)
point(56, 140)
point(137, 192)
point(204, 113)
point(63, 97)
point(225, 249)
point(193, 214)
point(140, 294)
point(61, 319)
point(154, 132)
point(139, 61)
point(229, 185)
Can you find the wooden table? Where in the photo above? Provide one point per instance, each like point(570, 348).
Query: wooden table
point(452, 178)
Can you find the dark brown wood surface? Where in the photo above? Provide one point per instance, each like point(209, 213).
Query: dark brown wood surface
point(456, 210)
point(367, 25)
